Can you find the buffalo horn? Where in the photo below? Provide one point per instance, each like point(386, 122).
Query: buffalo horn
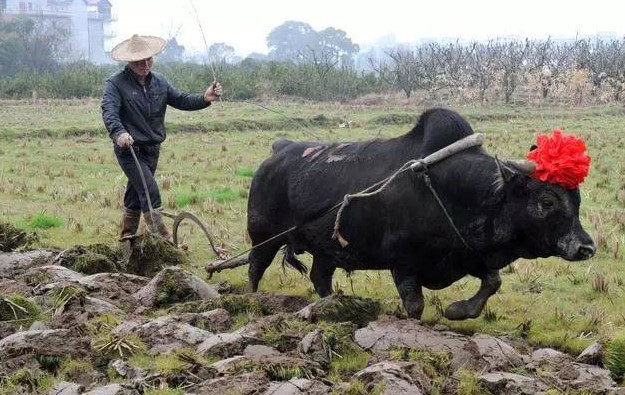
point(524, 166)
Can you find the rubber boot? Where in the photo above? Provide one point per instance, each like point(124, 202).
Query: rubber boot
point(130, 225)
point(154, 221)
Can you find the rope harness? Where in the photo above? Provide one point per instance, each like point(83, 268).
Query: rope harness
point(415, 165)
point(348, 198)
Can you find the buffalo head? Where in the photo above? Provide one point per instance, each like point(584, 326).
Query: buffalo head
point(545, 215)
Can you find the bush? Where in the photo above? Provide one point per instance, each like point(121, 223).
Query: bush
point(79, 79)
point(246, 81)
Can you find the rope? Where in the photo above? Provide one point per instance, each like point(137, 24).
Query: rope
point(307, 131)
point(272, 238)
point(324, 213)
point(428, 182)
point(413, 164)
point(365, 193)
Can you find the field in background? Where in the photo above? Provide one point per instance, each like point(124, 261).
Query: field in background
point(59, 178)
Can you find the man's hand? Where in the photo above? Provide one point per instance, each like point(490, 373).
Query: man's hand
point(213, 92)
point(124, 140)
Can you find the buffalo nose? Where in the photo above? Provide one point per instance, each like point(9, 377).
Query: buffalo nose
point(586, 251)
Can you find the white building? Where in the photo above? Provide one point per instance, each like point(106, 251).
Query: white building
point(89, 23)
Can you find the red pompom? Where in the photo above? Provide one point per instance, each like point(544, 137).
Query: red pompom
point(561, 159)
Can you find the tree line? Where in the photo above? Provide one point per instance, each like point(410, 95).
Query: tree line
point(327, 65)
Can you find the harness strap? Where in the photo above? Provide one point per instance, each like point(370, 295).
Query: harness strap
point(415, 165)
point(428, 182)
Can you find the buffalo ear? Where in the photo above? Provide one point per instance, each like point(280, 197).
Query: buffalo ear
point(513, 173)
point(506, 171)
point(523, 166)
point(510, 172)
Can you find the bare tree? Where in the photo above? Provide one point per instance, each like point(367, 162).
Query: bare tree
point(481, 67)
point(539, 61)
point(322, 61)
point(615, 73)
point(402, 72)
point(592, 57)
point(453, 60)
point(431, 68)
point(551, 61)
point(510, 62)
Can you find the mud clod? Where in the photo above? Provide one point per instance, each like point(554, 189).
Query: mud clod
point(12, 238)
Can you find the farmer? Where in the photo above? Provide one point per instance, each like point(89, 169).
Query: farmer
point(133, 110)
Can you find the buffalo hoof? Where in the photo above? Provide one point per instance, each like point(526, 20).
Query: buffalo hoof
point(461, 310)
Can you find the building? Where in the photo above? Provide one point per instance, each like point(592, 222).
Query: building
point(89, 23)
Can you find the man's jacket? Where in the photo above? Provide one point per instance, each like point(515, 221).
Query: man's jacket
point(140, 109)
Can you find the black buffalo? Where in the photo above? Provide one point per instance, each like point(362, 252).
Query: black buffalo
point(496, 213)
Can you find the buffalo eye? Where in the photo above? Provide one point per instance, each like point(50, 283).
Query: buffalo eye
point(547, 202)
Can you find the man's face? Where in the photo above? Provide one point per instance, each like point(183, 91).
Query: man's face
point(141, 67)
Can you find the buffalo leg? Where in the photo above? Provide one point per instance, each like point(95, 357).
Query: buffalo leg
point(472, 307)
point(259, 260)
point(321, 274)
point(410, 292)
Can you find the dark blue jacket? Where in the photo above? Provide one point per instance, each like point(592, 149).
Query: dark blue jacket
point(140, 110)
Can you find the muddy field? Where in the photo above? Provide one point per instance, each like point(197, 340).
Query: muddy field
point(76, 317)
point(87, 322)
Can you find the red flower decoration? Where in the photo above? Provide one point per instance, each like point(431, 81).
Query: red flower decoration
point(561, 159)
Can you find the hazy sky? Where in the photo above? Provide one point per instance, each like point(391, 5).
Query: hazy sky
point(246, 24)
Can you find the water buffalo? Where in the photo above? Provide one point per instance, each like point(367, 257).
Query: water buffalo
point(480, 215)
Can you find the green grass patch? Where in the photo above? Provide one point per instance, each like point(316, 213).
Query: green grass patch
point(469, 383)
point(189, 198)
point(614, 357)
point(357, 387)
point(244, 172)
point(344, 366)
point(222, 195)
point(26, 381)
point(45, 221)
point(19, 309)
point(185, 198)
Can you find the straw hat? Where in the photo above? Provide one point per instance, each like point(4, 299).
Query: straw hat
point(138, 48)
